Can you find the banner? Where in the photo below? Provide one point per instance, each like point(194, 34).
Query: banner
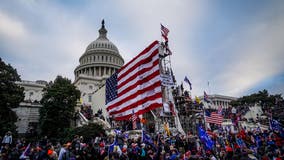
point(167, 80)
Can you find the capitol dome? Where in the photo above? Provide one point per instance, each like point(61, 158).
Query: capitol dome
point(100, 59)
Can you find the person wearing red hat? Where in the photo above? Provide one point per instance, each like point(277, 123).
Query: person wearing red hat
point(229, 151)
point(52, 154)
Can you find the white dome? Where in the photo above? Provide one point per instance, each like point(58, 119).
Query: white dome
point(100, 59)
point(102, 44)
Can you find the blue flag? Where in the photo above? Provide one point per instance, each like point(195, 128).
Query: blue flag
point(205, 138)
point(275, 125)
point(206, 97)
point(27, 151)
point(148, 140)
point(114, 147)
point(188, 82)
point(117, 131)
point(111, 147)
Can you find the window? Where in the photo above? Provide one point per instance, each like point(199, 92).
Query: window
point(90, 87)
point(90, 98)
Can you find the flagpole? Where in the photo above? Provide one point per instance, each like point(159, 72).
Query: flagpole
point(208, 88)
point(204, 118)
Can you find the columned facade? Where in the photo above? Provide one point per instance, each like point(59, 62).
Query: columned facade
point(219, 100)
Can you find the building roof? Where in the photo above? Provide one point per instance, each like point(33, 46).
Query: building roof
point(102, 45)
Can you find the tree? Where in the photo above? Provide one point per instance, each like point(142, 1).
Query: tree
point(262, 98)
point(89, 132)
point(59, 101)
point(10, 96)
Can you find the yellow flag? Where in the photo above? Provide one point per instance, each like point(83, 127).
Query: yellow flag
point(166, 128)
point(197, 100)
point(81, 100)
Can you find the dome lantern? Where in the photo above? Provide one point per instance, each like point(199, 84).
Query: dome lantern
point(103, 31)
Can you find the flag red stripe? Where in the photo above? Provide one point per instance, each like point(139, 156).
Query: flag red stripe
point(132, 96)
point(140, 54)
point(151, 107)
point(143, 61)
point(140, 82)
point(140, 102)
point(140, 72)
point(214, 118)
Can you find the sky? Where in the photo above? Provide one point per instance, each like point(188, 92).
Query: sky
point(234, 46)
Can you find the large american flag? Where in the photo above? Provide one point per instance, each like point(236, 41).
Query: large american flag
point(136, 86)
point(214, 117)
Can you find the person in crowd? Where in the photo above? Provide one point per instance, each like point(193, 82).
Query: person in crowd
point(7, 139)
point(64, 153)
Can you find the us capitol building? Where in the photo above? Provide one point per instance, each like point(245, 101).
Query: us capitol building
point(100, 60)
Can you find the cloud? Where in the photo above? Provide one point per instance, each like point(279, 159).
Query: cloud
point(51, 46)
point(257, 54)
point(145, 17)
point(11, 27)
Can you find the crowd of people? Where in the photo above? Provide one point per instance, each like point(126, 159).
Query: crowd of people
point(256, 144)
point(219, 143)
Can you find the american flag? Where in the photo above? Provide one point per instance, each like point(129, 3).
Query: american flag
point(137, 85)
point(165, 31)
point(133, 119)
point(214, 118)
